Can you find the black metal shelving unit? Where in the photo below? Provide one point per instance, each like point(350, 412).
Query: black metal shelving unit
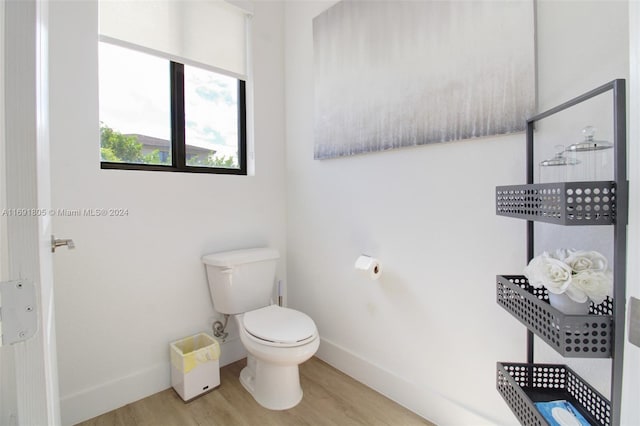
point(577, 336)
point(600, 334)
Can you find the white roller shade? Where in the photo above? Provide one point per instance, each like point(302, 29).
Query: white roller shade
point(196, 32)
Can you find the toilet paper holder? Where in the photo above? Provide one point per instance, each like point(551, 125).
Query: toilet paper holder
point(369, 265)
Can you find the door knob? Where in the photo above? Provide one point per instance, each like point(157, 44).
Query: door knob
point(55, 243)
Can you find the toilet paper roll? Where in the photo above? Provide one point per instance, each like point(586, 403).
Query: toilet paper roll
point(369, 266)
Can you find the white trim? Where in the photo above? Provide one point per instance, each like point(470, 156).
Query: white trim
point(27, 180)
point(419, 398)
point(231, 351)
point(3, 187)
point(43, 184)
point(249, 99)
point(91, 402)
point(8, 397)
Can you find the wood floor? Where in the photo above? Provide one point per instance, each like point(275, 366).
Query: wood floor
point(330, 398)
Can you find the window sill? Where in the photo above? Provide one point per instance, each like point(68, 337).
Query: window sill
point(183, 169)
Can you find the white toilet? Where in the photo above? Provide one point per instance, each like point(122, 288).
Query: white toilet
point(277, 339)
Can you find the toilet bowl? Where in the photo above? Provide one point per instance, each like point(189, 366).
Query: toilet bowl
point(277, 340)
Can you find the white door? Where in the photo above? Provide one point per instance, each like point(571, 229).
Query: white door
point(28, 381)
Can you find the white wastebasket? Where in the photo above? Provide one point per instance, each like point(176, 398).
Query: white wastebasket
point(195, 365)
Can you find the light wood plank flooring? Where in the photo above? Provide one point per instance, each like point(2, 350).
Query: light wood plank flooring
point(330, 398)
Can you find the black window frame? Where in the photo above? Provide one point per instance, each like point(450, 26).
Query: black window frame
point(178, 148)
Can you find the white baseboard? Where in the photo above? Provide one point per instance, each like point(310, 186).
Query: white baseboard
point(425, 402)
point(92, 402)
point(232, 351)
point(422, 400)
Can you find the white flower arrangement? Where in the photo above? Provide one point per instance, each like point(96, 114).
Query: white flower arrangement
point(581, 275)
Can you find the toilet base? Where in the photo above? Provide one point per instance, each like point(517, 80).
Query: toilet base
point(275, 387)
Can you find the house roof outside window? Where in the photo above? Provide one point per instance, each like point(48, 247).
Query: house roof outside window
point(150, 143)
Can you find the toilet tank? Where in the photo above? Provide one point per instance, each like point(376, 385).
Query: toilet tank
point(241, 280)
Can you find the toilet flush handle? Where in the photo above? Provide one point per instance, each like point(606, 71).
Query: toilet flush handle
point(226, 271)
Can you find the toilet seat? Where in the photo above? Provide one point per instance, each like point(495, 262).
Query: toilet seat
point(277, 326)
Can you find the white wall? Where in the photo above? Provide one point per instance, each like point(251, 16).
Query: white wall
point(135, 283)
point(429, 332)
point(561, 59)
point(631, 382)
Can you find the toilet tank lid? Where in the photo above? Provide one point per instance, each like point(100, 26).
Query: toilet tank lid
point(238, 257)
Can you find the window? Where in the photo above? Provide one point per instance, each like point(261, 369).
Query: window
point(172, 86)
point(157, 114)
point(211, 118)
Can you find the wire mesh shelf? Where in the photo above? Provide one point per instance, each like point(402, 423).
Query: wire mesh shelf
point(577, 336)
point(562, 203)
point(522, 385)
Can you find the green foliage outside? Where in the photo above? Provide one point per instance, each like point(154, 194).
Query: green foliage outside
point(209, 161)
point(118, 148)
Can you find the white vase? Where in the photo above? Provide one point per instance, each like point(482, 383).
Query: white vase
point(568, 306)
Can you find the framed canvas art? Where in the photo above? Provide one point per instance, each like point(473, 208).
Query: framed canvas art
point(392, 74)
